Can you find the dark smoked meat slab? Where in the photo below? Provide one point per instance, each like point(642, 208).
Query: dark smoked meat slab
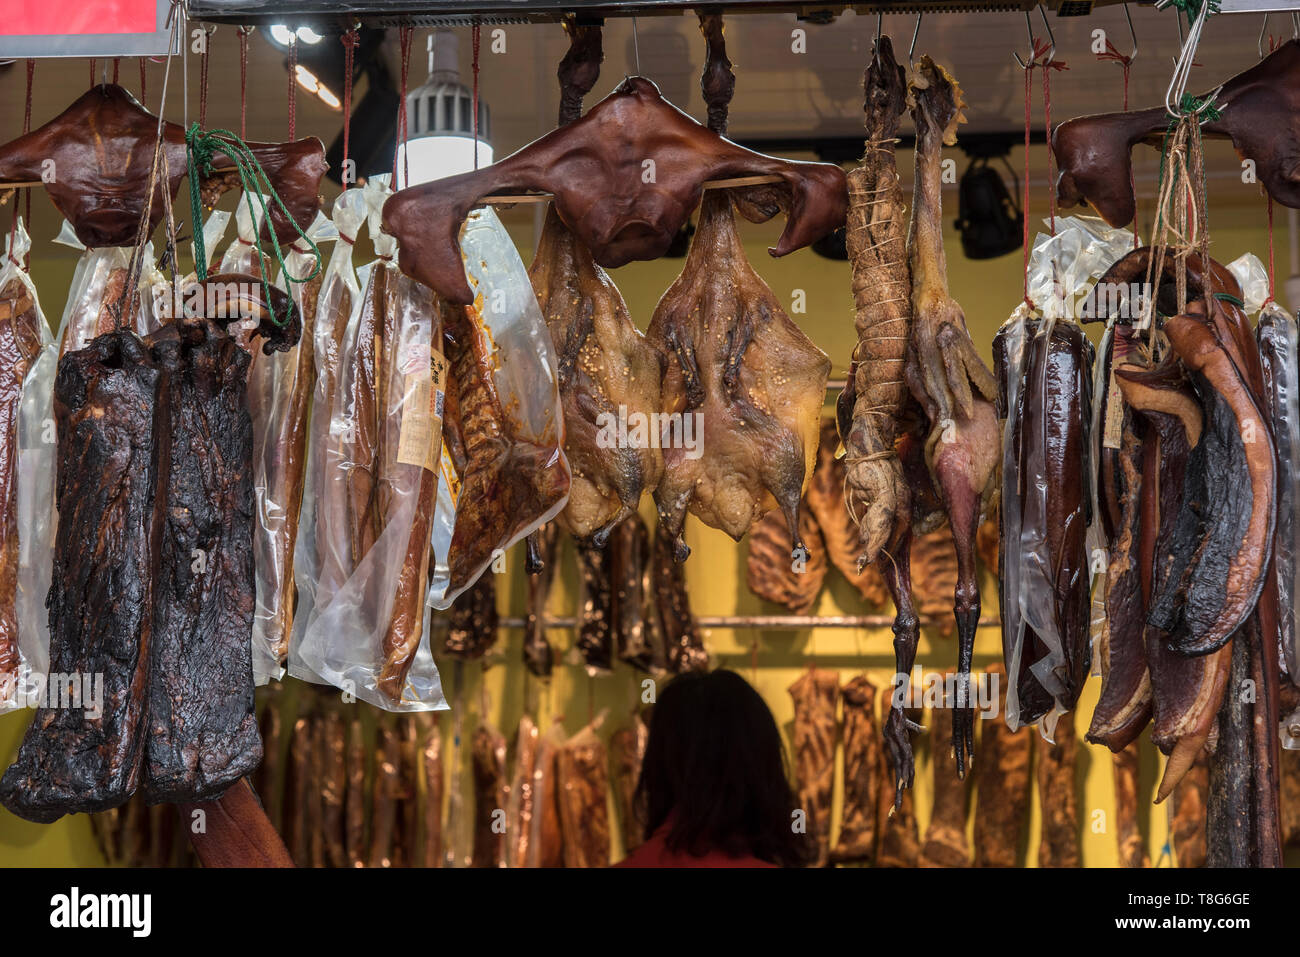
point(100, 599)
point(203, 734)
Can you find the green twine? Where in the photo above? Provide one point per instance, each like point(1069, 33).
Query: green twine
point(201, 146)
point(1191, 9)
point(1229, 298)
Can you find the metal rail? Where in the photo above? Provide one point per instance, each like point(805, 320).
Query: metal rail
point(772, 622)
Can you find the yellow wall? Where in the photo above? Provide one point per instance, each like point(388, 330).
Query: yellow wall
point(715, 572)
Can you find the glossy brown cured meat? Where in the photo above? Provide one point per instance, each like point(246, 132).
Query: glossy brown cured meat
point(1128, 837)
point(491, 787)
point(934, 579)
point(595, 168)
point(583, 793)
point(101, 148)
point(945, 838)
point(856, 840)
point(683, 644)
point(876, 235)
point(815, 730)
point(628, 746)
point(1187, 829)
point(1001, 788)
point(1256, 110)
point(946, 376)
point(596, 629)
point(1058, 797)
point(20, 345)
point(472, 631)
point(635, 637)
point(539, 657)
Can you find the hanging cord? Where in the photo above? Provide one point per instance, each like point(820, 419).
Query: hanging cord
point(1048, 66)
point(405, 42)
point(144, 81)
point(116, 62)
point(349, 41)
point(92, 71)
point(293, 86)
point(1126, 67)
point(243, 80)
point(27, 125)
point(201, 146)
point(203, 87)
point(1270, 252)
point(475, 34)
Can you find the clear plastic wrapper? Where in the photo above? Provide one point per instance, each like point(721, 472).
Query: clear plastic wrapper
point(338, 305)
point(280, 388)
point(379, 486)
point(97, 287)
point(26, 479)
point(1253, 277)
point(508, 320)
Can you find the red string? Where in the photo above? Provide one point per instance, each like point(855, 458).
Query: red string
point(144, 82)
point(1024, 207)
point(203, 87)
point(92, 71)
point(116, 62)
point(475, 34)
point(349, 40)
point(1126, 66)
point(1270, 252)
point(243, 81)
point(293, 86)
point(1047, 119)
point(405, 35)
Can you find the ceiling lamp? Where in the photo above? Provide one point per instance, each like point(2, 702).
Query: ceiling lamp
point(989, 219)
point(281, 35)
point(439, 116)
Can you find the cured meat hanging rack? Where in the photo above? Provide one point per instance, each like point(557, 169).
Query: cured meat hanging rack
point(774, 622)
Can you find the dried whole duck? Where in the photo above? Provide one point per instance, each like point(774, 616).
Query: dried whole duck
point(1001, 788)
point(491, 791)
point(609, 374)
point(815, 729)
point(945, 839)
point(1058, 844)
point(862, 758)
point(737, 363)
point(594, 168)
point(1254, 109)
point(628, 745)
point(20, 346)
point(826, 502)
point(583, 789)
point(473, 622)
point(874, 487)
point(948, 380)
point(683, 644)
point(773, 576)
point(102, 150)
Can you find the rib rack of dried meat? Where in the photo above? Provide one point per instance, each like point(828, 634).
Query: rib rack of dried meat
point(947, 378)
point(737, 366)
point(609, 375)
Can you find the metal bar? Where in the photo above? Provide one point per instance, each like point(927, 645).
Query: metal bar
point(773, 622)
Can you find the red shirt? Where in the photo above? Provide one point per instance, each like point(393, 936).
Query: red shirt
point(654, 853)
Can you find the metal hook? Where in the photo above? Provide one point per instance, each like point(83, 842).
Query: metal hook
point(915, 33)
point(1295, 26)
point(880, 22)
point(1132, 33)
point(1051, 39)
point(1263, 28)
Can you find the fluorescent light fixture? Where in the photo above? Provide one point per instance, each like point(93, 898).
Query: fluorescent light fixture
point(434, 157)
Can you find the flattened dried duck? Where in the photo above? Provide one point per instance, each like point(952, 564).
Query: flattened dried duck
point(609, 374)
point(736, 365)
point(815, 729)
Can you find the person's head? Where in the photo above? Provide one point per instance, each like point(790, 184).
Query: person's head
point(714, 775)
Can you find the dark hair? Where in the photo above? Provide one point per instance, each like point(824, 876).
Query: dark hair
point(715, 773)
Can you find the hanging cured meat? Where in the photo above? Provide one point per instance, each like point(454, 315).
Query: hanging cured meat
point(638, 641)
point(1187, 829)
point(609, 374)
point(826, 503)
point(814, 697)
point(490, 794)
point(473, 621)
point(596, 631)
point(934, 579)
point(738, 367)
point(584, 787)
point(1001, 787)
point(898, 842)
point(1058, 798)
point(539, 657)
point(683, 644)
point(876, 393)
point(1132, 850)
point(628, 745)
point(773, 576)
point(862, 779)
point(945, 839)
point(1255, 109)
point(948, 379)
point(595, 167)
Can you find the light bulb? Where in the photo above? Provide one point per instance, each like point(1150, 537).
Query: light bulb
point(281, 34)
point(308, 35)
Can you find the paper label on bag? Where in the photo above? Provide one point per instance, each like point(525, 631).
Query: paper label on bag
point(420, 436)
point(1112, 436)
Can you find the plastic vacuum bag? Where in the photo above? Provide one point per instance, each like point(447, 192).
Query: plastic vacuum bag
point(97, 287)
point(508, 319)
point(372, 637)
point(27, 535)
point(337, 307)
point(280, 388)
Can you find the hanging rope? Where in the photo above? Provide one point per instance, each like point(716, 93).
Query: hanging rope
point(27, 126)
point(92, 71)
point(1270, 252)
point(1126, 67)
point(116, 62)
point(1048, 66)
point(404, 34)
point(243, 80)
point(203, 84)
point(349, 40)
point(144, 81)
point(475, 34)
point(201, 146)
point(1024, 199)
point(293, 86)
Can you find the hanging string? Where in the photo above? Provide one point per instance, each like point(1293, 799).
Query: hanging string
point(144, 81)
point(293, 86)
point(1126, 67)
point(405, 43)
point(243, 80)
point(116, 61)
point(203, 85)
point(1024, 200)
point(1051, 64)
point(349, 40)
point(27, 125)
point(475, 34)
point(92, 71)
point(1270, 252)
